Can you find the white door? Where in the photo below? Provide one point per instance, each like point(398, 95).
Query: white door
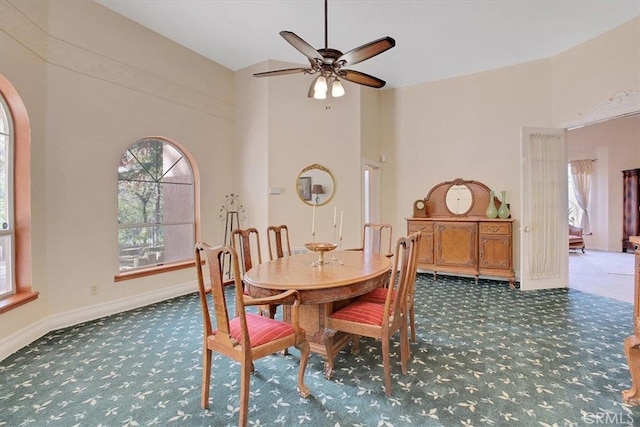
point(371, 191)
point(543, 227)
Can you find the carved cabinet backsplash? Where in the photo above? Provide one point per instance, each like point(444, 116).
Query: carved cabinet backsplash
point(462, 241)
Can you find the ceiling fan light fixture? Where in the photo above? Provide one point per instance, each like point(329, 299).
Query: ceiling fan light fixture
point(336, 89)
point(320, 88)
point(318, 94)
point(321, 84)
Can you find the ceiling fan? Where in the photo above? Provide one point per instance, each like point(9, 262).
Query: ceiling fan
point(329, 64)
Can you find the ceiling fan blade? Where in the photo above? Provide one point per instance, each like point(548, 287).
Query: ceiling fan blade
point(283, 72)
point(312, 87)
point(362, 78)
point(302, 46)
point(367, 51)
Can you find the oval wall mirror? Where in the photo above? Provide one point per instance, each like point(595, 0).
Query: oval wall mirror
point(315, 185)
point(459, 199)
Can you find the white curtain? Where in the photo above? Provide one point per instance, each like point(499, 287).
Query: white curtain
point(544, 261)
point(581, 171)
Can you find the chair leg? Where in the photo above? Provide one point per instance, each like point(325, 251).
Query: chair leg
point(304, 348)
point(206, 377)
point(245, 379)
point(355, 344)
point(386, 363)
point(405, 351)
point(272, 311)
point(412, 318)
point(328, 362)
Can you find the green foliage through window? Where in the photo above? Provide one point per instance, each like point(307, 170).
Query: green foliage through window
point(155, 205)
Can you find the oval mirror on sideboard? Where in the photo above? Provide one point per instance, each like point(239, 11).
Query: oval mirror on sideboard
point(459, 199)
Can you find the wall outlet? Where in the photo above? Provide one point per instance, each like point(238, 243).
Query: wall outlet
point(93, 289)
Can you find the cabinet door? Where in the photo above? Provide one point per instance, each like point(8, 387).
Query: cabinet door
point(495, 251)
point(425, 250)
point(456, 244)
point(495, 246)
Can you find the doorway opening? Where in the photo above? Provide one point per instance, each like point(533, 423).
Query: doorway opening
point(371, 191)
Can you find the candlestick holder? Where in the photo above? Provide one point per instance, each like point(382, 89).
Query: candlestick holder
point(321, 248)
point(336, 259)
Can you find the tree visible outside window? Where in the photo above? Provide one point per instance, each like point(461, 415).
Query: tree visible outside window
point(156, 196)
point(7, 284)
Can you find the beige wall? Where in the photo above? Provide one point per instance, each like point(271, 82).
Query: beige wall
point(298, 132)
point(589, 74)
point(468, 127)
point(93, 83)
point(615, 144)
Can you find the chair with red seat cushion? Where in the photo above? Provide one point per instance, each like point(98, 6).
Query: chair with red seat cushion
point(246, 243)
point(247, 337)
point(379, 295)
point(380, 321)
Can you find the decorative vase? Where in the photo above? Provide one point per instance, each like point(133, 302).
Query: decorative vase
point(503, 212)
point(492, 211)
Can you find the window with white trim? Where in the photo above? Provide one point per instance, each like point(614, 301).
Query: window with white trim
point(7, 228)
point(15, 207)
point(156, 206)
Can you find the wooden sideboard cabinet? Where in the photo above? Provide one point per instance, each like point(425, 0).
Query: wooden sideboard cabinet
point(458, 238)
point(470, 246)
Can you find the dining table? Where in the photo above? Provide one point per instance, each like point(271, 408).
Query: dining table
point(322, 287)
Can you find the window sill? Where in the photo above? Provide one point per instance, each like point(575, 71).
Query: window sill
point(128, 275)
point(17, 300)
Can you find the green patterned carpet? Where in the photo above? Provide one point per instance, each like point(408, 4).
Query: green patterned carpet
point(485, 356)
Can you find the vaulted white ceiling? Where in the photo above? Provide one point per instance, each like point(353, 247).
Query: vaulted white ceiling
point(435, 39)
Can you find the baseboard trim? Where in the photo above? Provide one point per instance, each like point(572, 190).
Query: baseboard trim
point(33, 332)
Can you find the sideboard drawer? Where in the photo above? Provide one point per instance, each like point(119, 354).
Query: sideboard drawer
point(415, 226)
point(494, 228)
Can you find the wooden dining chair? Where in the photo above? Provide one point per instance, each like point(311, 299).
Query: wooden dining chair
point(379, 295)
point(278, 241)
point(380, 321)
point(246, 337)
point(246, 243)
point(377, 238)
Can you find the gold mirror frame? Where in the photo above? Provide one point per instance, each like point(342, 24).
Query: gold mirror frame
point(459, 199)
point(315, 175)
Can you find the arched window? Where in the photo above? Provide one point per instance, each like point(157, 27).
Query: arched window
point(15, 200)
point(156, 208)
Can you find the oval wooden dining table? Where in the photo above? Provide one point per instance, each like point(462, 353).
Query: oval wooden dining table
point(323, 289)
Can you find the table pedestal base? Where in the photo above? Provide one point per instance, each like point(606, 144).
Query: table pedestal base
point(312, 320)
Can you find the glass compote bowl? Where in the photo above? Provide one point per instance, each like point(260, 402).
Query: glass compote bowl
point(321, 248)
